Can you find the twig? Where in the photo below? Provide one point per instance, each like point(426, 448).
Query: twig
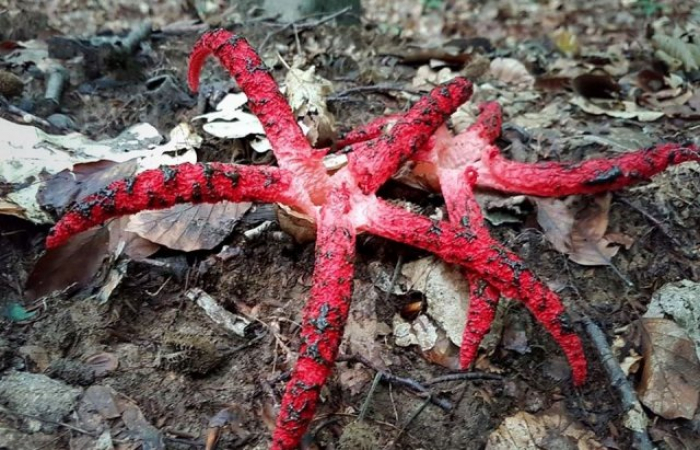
point(413, 417)
point(464, 376)
point(49, 421)
point(618, 380)
point(25, 116)
point(400, 381)
point(250, 343)
point(394, 277)
point(368, 399)
point(303, 24)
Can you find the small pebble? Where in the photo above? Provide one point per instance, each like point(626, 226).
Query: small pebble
point(62, 121)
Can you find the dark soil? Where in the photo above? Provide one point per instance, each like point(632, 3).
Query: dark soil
point(181, 370)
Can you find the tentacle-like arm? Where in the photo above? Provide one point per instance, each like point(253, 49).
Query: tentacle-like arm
point(325, 316)
point(265, 100)
point(550, 179)
point(375, 161)
point(500, 268)
point(488, 122)
point(185, 183)
point(464, 211)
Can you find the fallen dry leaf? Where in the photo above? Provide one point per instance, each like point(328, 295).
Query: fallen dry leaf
point(360, 336)
point(589, 245)
point(141, 429)
point(84, 179)
point(73, 264)
point(511, 71)
point(669, 385)
point(650, 80)
point(421, 332)
point(620, 110)
point(446, 291)
point(553, 429)
point(134, 245)
point(307, 93)
point(230, 121)
point(443, 353)
point(189, 227)
point(687, 53)
point(354, 379)
point(427, 78)
point(579, 232)
point(679, 301)
point(28, 156)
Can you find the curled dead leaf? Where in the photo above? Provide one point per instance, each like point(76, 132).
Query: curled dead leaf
point(669, 386)
point(620, 110)
point(189, 227)
point(580, 230)
point(552, 429)
point(307, 93)
point(511, 71)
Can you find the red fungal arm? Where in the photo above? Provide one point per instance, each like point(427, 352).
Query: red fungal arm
point(375, 161)
point(169, 185)
point(325, 316)
point(289, 144)
point(464, 211)
point(500, 268)
point(483, 301)
point(488, 122)
point(550, 179)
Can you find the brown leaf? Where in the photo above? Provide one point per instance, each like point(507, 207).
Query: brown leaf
point(189, 227)
point(552, 83)
point(578, 231)
point(443, 353)
point(556, 218)
point(589, 245)
point(135, 246)
point(421, 57)
point(551, 429)
point(361, 330)
point(268, 413)
point(72, 264)
point(354, 379)
point(84, 179)
point(669, 386)
point(101, 399)
point(297, 225)
point(307, 94)
point(227, 419)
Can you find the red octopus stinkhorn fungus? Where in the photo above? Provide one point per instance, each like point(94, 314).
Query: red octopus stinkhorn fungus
point(345, 203)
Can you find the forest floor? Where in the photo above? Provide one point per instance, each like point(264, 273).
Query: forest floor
point(108, 346)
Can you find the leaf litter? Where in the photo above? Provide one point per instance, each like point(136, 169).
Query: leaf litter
point(581, 123)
